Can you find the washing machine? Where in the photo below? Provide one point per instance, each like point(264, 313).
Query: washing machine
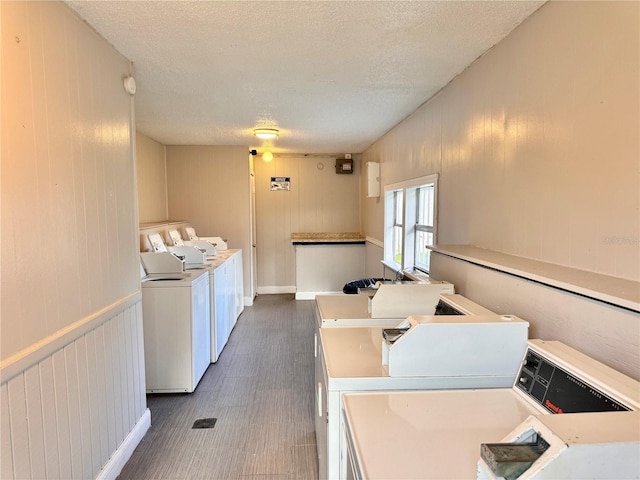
point(223, 307)
point(501, 433)
point(176, 322)
point(419, 353)
point(353, 310)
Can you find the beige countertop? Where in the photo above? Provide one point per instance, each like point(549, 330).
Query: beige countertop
point(327, 237)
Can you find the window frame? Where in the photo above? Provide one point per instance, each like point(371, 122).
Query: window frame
point(398, 225)
point(424, 227)
point(410, 194)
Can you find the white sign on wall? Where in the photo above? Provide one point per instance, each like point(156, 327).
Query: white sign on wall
point(280, 184)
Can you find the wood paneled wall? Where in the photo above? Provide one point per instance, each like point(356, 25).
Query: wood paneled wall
point(71, 366)
point(152, 180)
point(209, 187)
point(536, 145)
point(374, 253)
point(66, 415)
point(69, 216)
point(319, 201)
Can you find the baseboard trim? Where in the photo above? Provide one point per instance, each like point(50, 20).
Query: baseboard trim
point(275, 290)
point(123, 453)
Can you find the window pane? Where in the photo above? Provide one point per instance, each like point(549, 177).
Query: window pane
point(422, 253)
point(398, 207)
point(426, 205)
point(397, 244)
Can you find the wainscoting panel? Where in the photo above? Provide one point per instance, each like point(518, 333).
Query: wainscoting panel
point(68, 414)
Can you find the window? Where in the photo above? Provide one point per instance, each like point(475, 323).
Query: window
point(410, 223)
point(398, 222)
point(425, 226)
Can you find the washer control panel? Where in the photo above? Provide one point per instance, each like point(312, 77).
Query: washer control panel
point(559, 391)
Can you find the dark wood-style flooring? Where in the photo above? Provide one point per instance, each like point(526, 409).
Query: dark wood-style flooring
point(261, 394)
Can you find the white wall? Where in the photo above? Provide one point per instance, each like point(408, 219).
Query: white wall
point(71, 365)
point(536, 144)
point(319, 201)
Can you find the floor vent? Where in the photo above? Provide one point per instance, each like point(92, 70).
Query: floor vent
point(204, 423)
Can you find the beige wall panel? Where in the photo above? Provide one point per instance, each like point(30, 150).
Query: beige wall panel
point(209, 187)
point(536, 143)
point(67, 182)
point(373, 261)
point(322, 269)
point(319, 201)
point(6, 456)
point(69, 249)
point(607, 333)
point(152, 180)
point(74, 410)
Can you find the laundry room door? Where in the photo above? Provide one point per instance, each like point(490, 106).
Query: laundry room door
point(254, 261)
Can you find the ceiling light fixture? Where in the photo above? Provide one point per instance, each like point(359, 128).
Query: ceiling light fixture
point(267, 156)
point(266, 133)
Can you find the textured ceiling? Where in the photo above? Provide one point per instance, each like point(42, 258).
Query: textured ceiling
point(332, 76)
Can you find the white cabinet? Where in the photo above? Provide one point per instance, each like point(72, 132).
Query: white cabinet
point(372, 170)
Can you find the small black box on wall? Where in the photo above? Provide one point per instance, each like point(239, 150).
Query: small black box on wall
point(344, 165)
